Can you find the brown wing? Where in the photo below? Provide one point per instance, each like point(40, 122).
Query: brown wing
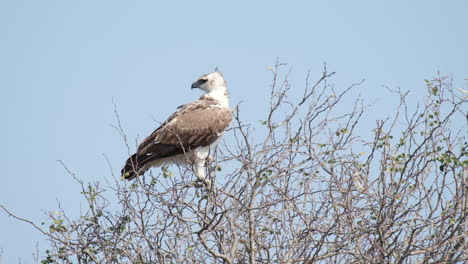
point(194, 125)
point(151, 139)
point(192, 128)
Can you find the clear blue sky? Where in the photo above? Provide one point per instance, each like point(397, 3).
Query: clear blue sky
point(63, 62)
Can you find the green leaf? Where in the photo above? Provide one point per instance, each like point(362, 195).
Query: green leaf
point(442, 167)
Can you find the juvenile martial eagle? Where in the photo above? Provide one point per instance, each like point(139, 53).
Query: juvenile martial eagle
point(187, 136)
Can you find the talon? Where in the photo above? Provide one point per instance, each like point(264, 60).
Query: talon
point(204, 182)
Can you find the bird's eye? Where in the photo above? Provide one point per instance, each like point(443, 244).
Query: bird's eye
point(202, 81)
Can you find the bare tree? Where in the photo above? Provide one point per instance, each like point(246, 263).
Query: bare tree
point(301, 187)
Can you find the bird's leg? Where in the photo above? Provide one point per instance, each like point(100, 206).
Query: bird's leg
point(209, 159)
point(199, 170)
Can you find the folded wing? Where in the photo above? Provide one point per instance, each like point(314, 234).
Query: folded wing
point(194, 125)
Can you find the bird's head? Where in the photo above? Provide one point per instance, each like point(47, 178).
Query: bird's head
point(210, 82)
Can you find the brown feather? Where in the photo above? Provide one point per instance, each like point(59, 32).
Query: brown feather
point(196, 124)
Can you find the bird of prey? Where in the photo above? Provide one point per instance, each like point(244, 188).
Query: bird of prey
point(187, 136)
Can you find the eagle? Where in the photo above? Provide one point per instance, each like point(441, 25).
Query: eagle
point(189, 134)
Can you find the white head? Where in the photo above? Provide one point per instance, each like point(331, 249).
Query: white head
point(210, 82)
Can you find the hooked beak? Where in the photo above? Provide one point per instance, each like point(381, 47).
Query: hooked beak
point(196, 84)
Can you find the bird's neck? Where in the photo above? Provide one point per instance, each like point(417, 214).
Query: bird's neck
point(221, 95)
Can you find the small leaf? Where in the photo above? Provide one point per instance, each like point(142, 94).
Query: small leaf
point(442, 167)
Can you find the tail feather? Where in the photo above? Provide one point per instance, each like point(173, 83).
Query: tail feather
point(132, 168)
point(138, 163)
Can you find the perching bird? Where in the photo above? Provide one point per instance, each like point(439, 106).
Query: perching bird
point(187, 136)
